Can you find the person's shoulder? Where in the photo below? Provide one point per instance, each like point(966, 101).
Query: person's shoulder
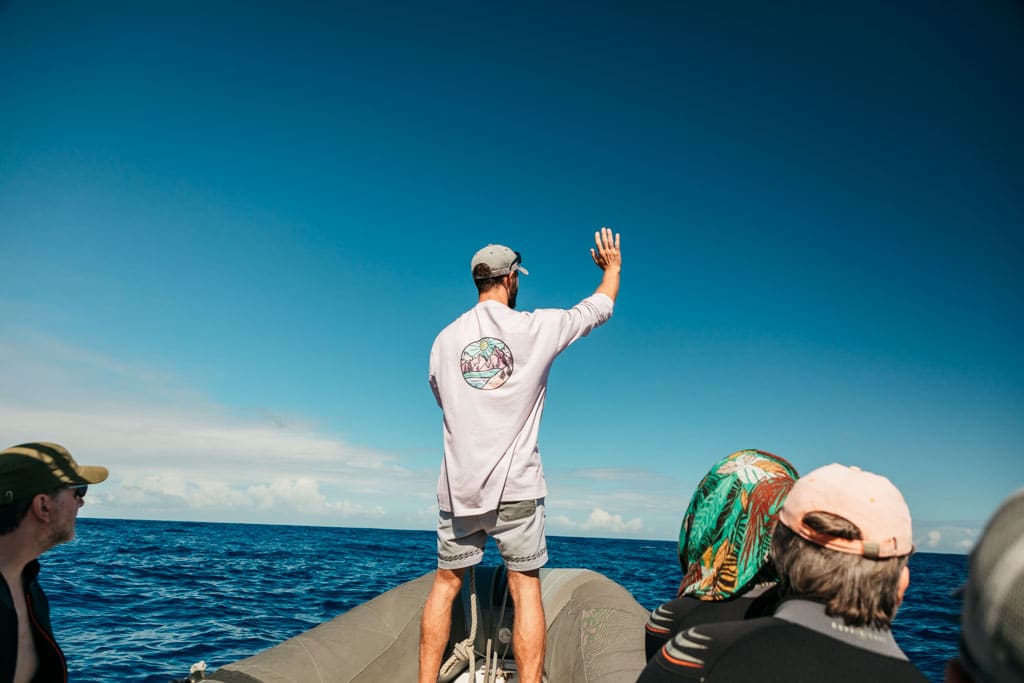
point(702, 645)
point(454, 324)
point(696, 651)
point(772, 649)
point(690, 611)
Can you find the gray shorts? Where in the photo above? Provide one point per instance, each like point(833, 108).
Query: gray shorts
point(518, 529)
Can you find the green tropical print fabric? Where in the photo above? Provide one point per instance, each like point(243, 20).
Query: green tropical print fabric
point(727, 531)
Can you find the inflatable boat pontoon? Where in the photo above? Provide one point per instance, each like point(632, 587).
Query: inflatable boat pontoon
point(595, 634)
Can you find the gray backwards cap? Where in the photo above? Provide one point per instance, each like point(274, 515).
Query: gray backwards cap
point(992, 623)
point(495, 260)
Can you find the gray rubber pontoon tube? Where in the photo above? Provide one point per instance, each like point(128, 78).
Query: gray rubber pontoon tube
point(595, 634)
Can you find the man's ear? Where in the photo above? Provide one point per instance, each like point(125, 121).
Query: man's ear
point(42, 506)
point(904, 582)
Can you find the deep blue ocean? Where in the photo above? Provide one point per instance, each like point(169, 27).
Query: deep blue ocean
point(142, 601)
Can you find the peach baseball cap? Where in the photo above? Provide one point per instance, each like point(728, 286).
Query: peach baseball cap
point(869, 501)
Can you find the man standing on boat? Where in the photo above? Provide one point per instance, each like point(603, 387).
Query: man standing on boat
point(489, 372)
point(41, 491)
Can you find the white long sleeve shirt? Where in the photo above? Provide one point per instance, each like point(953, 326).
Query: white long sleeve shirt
point(489, 372)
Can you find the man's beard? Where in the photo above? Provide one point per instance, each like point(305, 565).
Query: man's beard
point(60, 535)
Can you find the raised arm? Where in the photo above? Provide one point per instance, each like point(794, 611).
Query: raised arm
point(609, 259)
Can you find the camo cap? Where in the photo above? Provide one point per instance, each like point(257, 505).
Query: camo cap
point(38, 467)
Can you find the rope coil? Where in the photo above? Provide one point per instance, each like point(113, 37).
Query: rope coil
point(464, 652)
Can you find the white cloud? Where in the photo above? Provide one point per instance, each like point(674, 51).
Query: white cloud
point(626, 493)
point(945, 537)
point(563, 522)
point(598, 522)
point(600, 519)
point(428, 512)
point(174, 454)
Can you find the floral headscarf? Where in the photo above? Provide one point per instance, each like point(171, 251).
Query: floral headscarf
point(727, 531)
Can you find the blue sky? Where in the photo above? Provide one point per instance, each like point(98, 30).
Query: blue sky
point(230, 232)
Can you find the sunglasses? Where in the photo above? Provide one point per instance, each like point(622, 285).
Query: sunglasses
point(79, 489)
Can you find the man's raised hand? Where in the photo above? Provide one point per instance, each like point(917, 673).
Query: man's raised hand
point(607, 253)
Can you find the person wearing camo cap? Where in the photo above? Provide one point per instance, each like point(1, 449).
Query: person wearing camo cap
point(41, 490)
point(992, 620)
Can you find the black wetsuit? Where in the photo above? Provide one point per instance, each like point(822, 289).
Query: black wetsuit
point(800, 643)
point(676, 615)
point(52, 665)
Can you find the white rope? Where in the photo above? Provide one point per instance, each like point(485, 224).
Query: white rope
point(464, 652)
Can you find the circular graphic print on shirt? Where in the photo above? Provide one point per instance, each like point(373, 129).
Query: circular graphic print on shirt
point(486, 363)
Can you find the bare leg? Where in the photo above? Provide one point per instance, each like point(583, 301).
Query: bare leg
point(529, 631)
point(437, 621)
